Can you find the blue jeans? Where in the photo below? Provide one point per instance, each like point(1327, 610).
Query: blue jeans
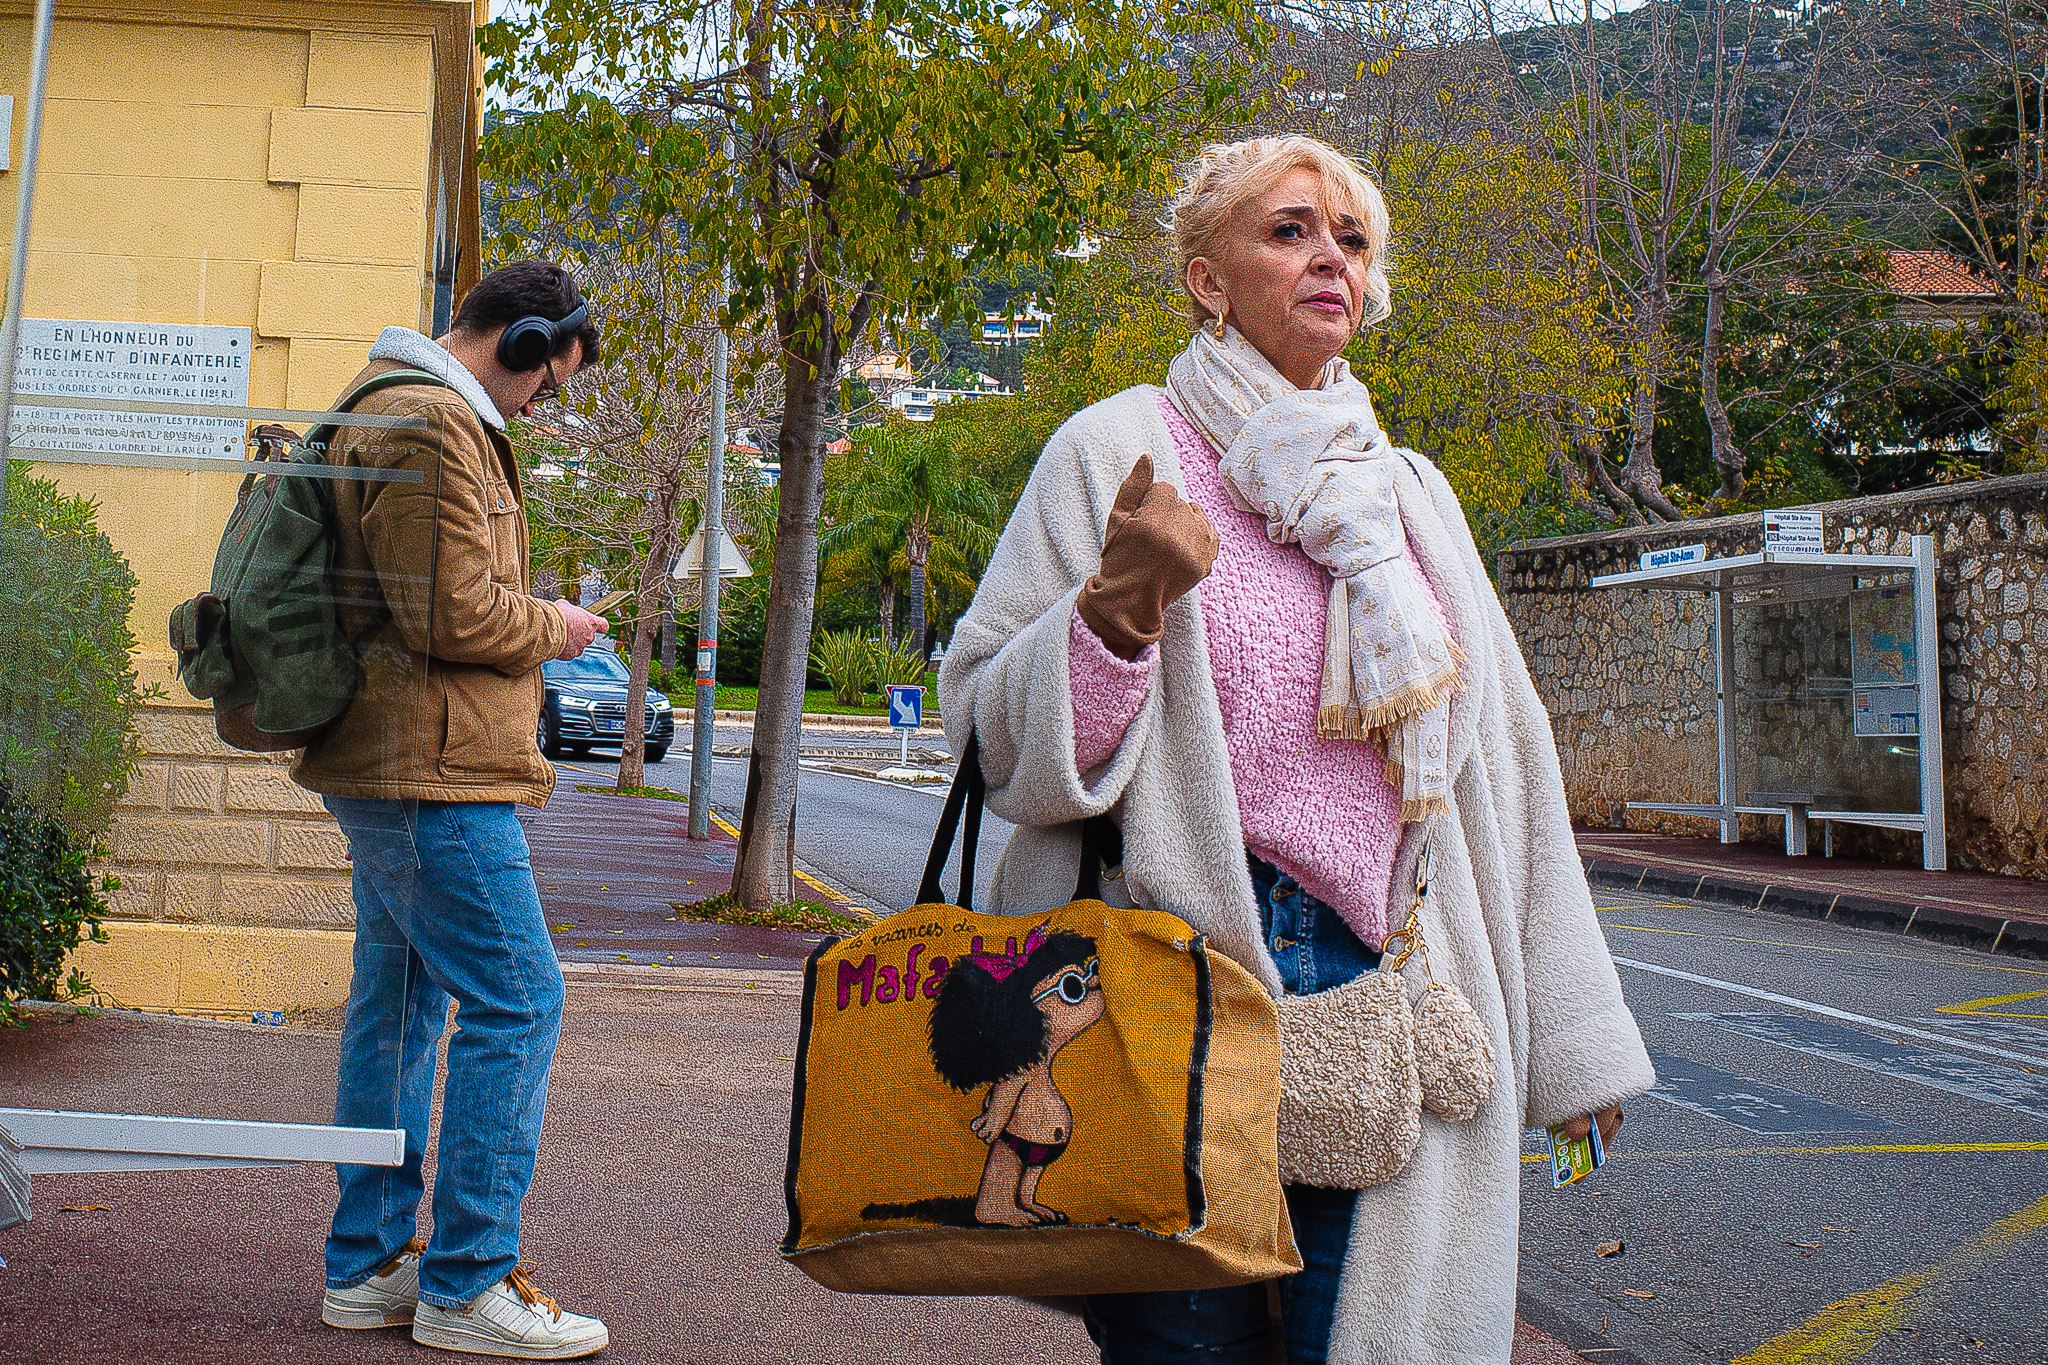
point(446, 908)
point(1315, 950)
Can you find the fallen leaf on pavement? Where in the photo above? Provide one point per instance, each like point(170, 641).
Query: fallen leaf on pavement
point(1810, 1246)
point(1825, 1228)
point(1614, 1248)
point(1639, 1293)
point(85, 1208)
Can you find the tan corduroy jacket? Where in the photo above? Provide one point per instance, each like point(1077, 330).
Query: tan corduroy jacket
point(451, 687)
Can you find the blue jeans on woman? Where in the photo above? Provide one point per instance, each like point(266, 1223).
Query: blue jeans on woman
point(446, 908)
point(1315, 950)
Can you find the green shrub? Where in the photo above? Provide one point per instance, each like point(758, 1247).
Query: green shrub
point(897, 666)
point(68, 693)
point(48, 906)
point(847, 660)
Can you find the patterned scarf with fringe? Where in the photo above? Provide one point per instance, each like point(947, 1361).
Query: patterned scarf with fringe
point(1317, 466)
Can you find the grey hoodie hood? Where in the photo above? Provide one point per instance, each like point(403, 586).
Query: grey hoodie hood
point(422, 352)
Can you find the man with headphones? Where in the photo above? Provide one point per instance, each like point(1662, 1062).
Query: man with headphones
point(424, 772)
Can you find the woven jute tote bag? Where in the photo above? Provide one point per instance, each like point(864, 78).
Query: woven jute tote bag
point(1078, 1101)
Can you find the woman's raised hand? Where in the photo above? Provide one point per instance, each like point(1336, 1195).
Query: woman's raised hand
point(1582, 1126)
point(1157, 546)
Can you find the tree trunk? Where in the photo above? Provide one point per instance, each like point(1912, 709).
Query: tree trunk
point(1641, 479)
point(1611, 492)
point(633, 748)
point(918, 551)
point(1729, 460)
point(668, 626)
point(661, 552)
point(572, 578)
point(888, 612)
point(809, 370)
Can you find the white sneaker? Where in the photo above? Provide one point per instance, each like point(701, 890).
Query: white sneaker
point(386, 1299)
point(511, 1318)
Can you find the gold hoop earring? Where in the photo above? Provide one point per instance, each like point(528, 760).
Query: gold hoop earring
point(1222, 319)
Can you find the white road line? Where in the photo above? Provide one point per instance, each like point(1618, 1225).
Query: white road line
point(1812, 1007)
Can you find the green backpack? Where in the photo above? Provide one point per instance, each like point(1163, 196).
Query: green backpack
point(265, 644)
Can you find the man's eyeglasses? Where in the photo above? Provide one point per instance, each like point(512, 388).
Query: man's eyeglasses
point(550, 387)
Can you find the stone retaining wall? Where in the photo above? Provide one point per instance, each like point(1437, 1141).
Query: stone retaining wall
point(1628, 674)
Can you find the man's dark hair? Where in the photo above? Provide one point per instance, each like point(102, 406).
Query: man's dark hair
point(527, 289)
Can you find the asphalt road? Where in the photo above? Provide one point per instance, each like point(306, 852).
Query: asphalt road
point(1854, 1170)
point(863, 836)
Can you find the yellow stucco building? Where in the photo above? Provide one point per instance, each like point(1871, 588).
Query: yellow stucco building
point(307, 172)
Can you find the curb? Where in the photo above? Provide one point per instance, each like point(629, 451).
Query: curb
point(1983, 931)
point(816, 720)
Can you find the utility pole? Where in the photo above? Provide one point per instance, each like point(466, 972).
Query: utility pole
point(712, 530)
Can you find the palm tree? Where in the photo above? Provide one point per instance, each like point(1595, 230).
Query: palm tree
point(860, 557)
point(906, 486)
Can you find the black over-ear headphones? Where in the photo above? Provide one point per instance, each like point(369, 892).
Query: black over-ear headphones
point(525, 345)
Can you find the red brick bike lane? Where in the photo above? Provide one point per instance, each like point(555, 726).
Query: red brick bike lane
point(612, 868)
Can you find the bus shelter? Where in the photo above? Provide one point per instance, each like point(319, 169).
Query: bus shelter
point(217, 207)
point(1827, 690)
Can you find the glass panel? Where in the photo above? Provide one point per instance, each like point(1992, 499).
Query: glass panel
point(219, 236)
point(1825, 695)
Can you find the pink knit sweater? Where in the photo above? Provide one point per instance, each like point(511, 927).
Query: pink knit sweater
point(1318, 809)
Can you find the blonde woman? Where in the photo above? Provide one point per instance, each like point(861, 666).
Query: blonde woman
point(1231, 614)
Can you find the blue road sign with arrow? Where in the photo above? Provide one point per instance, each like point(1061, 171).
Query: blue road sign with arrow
point(906, 707)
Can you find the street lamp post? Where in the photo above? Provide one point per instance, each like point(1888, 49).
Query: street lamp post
point(712, 530)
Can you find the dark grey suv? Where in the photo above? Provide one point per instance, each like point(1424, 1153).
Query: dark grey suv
point(586, 707)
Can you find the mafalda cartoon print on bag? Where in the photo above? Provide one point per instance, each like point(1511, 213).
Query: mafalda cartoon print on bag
point(999, 1021)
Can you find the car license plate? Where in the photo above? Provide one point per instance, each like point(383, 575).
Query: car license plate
point(611, 727)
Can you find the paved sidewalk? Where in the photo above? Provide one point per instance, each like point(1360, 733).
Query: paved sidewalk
point(657, 1206)
point(612, 868)
point(1974, 909)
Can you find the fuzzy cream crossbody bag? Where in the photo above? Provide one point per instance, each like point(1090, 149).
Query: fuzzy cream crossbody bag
point(1359, 1064)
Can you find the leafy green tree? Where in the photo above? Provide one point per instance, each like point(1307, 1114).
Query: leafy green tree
point(908, 487)
point(850, 164)
point(1496, 362)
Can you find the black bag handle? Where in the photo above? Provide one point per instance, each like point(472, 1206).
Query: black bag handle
point(1102, 843)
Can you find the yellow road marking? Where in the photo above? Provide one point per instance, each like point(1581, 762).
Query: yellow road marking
point(1921, 1148)
point(1981, 1006)
point(1851, 1328)
point(807, 879)
point(1646, 929)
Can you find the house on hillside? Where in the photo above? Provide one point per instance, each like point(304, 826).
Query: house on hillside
point(923, 404)
point(1938, 286)
point(886, 372)
point(1023, 324)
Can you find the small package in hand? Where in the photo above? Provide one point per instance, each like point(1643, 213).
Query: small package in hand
point(1575, 1158)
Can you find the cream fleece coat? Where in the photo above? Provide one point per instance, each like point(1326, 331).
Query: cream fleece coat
point(1430, 1279)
